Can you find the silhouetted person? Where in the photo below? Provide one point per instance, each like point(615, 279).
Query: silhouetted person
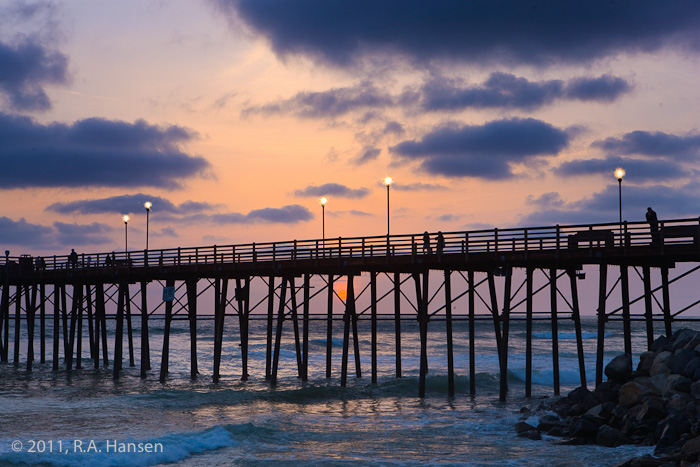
point(653, 224)
point(440, 243)
point(73, 259)
point(39, 263)
point(426, 244)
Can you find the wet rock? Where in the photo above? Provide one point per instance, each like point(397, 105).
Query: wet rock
point(682, 337)
point(620, 368)
point(680, 360)
point(652, 409)
point(606, 392)
point(645, 361)
point(611, 437)
point(675, 384)
point(695, 390)
point(692, 368)
point(661, 343)
point(582, 428)
point(632, 393)
point(691, 450)
point(521, 427)
point(658, 366)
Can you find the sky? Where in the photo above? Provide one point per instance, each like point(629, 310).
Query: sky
point(233, 117)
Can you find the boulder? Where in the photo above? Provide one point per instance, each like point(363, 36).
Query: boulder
point(632, 393)
point(692, 368)
point(521, 427)
point(680, 360)
point(659, 365)
point(645, 361)
point(695, 390)
point(691, 450)
point(652, 409)
point(661, 343)
point(611, 437)
point(682, 337)
point(606, 392)
point(620, 368)
point(582, 428)
point(675, 384)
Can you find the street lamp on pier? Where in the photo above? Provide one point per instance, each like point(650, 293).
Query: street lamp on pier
point(125, 218)
point(619, 174)
point(147, 205)
point(324, 200)
point(387, 181)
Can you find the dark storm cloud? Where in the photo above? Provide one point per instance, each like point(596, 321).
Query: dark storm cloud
point(25, 68)
point(22, 232)
point(77, 234)
point(485, 151)
point(331, 103)
point(127, 204)
point(652, 144)
point(290, 214)
point(94, 152)
point(333, 189)
point(605, 88)
point(602, 207)
point(506, 31)
point(638, 170)
point(504, 90)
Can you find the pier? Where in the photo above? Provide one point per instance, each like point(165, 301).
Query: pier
point(495, 275)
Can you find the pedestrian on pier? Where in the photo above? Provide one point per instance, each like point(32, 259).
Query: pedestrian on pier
point(440, 246)
point(73, 259)
point(653, 225)
point(427, 249)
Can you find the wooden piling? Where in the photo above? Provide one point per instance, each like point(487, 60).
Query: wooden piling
point(305, 333)
point(448, 332)
point(191, 285)
point(243, 299)
point(422, 302)
point(576, 316)
point(505, 322)
point(397, 322)
point(528, 332)
point(329, 327)
point(555, 328)
point(219, 304)
point(145, 348)
point(18, 312)
point(472, 317)
point(349, 312)
point(123, 295)
point(42, 321)
point(166, 334)
point(130, 333)
point(270, 317)
point(373, 318)
point(666, 301)
point(648, 310)
point(30, 306)
point(602, 319)
point(278, 331)
point(101, 317)
point(295, 324)
point(56, 325)
point(625, 291)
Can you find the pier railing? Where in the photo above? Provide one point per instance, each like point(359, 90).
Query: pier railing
point(558, 237)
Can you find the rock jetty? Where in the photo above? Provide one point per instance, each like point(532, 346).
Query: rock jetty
point(658, 404)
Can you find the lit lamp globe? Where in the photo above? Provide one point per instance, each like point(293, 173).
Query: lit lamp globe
point(619, 173)
point(148, 205)
point(387, 181)
point(324, 201)
point(125, 218)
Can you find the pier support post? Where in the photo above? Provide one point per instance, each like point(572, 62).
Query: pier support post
point(220, 286)
point(329, 327)
point(270, 318)
point(555, 328)
point(373, 317)
point(166, 334)
point(145, 346)
point(129, 327)
point(5, 319)
point(576, 316)
point(626, 318)
point(648, 310)
point(191, 285)
point(278, 331)
point(42, 321)
point(397, 321)
point(349, 318)
point(528, 332)
point(472, 317)
point(602, 319)
point(123, 295)
point(243, 299)
point(505, 321)
point(305, 333)
point(56, 325)
point(101, 317)
point(497, 328)
point(31, 312)
point(18, 313)
point(448, 332)
point(422, 299)
point(666, 301)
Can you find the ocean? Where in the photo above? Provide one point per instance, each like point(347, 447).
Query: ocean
point(85, 418)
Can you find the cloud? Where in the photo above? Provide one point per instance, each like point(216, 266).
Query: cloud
point(652, 144)
point(485, 151)
point(59, 235)
point(504, 90)
point(603, 207)
point(331, 103)
point(499, 31)
point(94, 152)
point(25, 68)
point(127, 204)
point(637, 170)
point(418, 186)
point(367, 154)
point(290, 214)
point(333, 189)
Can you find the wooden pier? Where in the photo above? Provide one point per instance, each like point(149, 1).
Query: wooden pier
point(461, 278)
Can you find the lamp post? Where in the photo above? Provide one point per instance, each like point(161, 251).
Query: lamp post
point(619, 174)
point(147, 205)
point(324, 200)
point(125, 218)
point(387, 182)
